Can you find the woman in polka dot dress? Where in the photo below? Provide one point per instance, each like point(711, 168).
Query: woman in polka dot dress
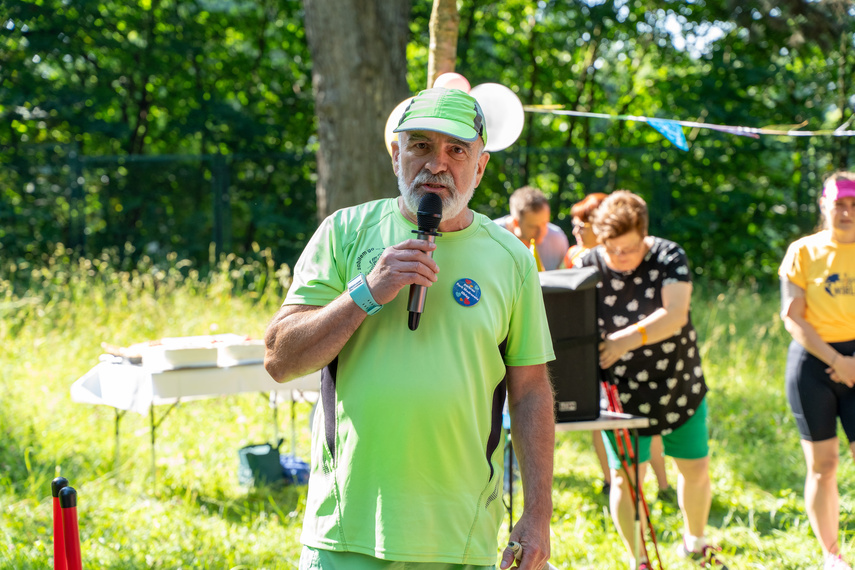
point(651, 351)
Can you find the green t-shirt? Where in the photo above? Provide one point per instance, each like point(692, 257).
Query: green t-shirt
point(413, 470)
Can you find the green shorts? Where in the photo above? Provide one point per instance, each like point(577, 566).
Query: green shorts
point(689, 441)
point(319, 559)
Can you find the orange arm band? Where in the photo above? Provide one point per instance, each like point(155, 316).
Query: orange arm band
point(643, 332)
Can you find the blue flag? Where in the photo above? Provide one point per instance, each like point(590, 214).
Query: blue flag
point(670, 130)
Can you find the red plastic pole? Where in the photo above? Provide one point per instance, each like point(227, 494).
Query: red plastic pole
point(58, 539)
point(68, 503)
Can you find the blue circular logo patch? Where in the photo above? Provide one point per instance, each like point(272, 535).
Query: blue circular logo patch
point(466, 292)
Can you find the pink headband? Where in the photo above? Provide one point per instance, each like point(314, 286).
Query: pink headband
point(840, 188)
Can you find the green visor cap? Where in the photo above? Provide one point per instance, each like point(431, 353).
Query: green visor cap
point(448, 111)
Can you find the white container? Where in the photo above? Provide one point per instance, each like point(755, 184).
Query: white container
point(245, 352)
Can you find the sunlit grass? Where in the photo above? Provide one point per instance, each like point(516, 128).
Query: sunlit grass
point(54, 317)
point(53, 321)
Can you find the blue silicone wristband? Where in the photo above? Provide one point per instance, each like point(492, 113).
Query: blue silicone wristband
point(361, 295)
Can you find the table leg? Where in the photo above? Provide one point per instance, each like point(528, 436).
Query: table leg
point(153, 462)
point(293, 424)
point(119, 415)
point(154, 426)
point(274, 403)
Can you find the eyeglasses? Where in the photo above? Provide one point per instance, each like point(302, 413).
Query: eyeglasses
point(628, 251)
point(580, 225)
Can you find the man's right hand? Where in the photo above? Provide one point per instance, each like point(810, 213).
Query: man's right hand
point(407, 263)
point(301, 338)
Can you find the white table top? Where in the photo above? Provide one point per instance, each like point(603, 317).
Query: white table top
point(136, 387)
point(607, 420)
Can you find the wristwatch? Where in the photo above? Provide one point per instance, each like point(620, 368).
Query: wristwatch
point(361, 295)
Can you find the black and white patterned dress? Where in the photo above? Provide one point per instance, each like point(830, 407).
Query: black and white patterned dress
point(662, 381)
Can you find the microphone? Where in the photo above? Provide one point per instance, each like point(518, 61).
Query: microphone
point(428, 216)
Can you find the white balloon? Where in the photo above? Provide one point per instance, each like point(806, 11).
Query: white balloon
point(452, 81)
point(503, 112)
point(392, 123)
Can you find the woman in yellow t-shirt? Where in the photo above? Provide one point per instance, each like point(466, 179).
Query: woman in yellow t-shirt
point(818, 308)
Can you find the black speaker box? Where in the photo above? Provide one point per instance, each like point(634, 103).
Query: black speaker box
point(570, 296)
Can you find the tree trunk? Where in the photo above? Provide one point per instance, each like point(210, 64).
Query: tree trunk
point(359, 74)
point(444, 27)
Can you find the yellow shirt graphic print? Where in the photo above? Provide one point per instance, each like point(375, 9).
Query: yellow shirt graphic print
point(825, 269)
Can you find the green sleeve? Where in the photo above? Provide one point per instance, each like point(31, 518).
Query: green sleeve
point(529, 341)
point(318, 279)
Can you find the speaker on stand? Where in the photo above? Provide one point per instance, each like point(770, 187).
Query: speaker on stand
point(570, 297)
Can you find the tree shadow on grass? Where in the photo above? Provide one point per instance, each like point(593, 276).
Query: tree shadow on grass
point(577, 482)
point(281, 501)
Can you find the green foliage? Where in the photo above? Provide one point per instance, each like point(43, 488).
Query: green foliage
point(173, 124)
point(157, 78)
point(53, 318)
point(733, 202)
point(52, 321)
point(166, 124)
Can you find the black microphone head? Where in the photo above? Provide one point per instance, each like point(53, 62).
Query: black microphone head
point(430, 212)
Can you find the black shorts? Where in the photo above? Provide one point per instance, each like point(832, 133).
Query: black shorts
point(815, 399)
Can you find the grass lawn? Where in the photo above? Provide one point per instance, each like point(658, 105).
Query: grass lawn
point(53, 319)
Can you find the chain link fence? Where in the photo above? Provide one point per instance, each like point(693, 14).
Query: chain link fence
point(733, 205)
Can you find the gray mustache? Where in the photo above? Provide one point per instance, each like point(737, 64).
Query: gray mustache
point(443, 178)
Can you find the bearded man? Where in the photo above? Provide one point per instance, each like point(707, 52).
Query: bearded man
point(407, 466)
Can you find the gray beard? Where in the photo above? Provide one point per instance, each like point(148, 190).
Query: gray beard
point(451, 205)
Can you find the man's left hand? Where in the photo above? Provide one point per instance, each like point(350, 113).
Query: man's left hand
point(534, 542)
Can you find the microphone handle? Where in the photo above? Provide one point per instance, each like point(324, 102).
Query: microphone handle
point(416, 302)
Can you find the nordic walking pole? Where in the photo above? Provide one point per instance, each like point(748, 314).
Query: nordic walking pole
point(628, 451)
point(637, 502)
point(68, 503)
point(58, 539)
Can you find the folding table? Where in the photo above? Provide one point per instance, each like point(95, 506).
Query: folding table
point(139, 388)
